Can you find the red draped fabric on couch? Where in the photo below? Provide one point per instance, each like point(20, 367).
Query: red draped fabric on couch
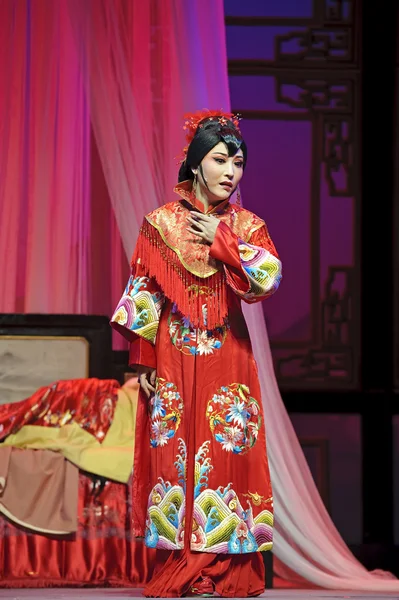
point(102, 552)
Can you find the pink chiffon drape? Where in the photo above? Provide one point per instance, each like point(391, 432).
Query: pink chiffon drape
point(57, 222)
point(44, 162)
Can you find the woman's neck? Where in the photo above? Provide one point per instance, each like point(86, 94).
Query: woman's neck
point(199, 194)
point(204, 199)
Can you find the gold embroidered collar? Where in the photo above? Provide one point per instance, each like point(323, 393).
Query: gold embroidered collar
point(171, 222)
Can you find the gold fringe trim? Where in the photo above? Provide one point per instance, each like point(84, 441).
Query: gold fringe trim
point(180, 286)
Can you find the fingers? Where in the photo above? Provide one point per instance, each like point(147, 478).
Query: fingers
point(194, 221)
point(199, 216)
point(153, 377)
point(143, 384)
point(146, 386)
point(202, 219)
point(200, 232)
point(201, 223)
point(196, 232)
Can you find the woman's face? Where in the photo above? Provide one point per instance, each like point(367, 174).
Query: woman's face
point(219, 174)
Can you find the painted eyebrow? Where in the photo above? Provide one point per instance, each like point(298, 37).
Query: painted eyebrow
point(226, 155)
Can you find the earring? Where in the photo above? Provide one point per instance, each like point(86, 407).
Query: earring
point(195, 184)
point(238, 196)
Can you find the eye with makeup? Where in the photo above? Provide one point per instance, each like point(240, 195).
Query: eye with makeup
point(221, 161)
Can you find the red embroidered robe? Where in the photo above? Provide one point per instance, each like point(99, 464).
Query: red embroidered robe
point(201, 461)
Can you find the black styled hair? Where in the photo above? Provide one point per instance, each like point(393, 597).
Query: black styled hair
point(209, 134)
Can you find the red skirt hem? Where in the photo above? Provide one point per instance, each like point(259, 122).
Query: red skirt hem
point(232, 575)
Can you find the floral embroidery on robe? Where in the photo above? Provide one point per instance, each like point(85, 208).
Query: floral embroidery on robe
point(201, 476)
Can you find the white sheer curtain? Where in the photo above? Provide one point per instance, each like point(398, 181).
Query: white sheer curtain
point(120, 135)
point(140, 86)
point(306, 542)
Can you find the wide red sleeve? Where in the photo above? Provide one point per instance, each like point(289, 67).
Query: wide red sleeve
point(142, 352)
point(225, 249)
point(137, 315)
point(253, 269)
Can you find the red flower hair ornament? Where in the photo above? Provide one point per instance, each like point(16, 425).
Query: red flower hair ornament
point(194, 120)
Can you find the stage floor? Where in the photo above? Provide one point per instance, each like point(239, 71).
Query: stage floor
point(121, 594)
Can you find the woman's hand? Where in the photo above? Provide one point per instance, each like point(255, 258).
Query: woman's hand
point(147, 377)
point(203, 226)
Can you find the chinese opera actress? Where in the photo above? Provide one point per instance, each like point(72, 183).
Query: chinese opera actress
point(201, 482)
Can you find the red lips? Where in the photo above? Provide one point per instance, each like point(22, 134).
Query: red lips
point(227, 184)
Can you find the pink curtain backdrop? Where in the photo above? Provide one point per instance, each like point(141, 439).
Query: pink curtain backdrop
point(44, 162)
point(133, 68)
